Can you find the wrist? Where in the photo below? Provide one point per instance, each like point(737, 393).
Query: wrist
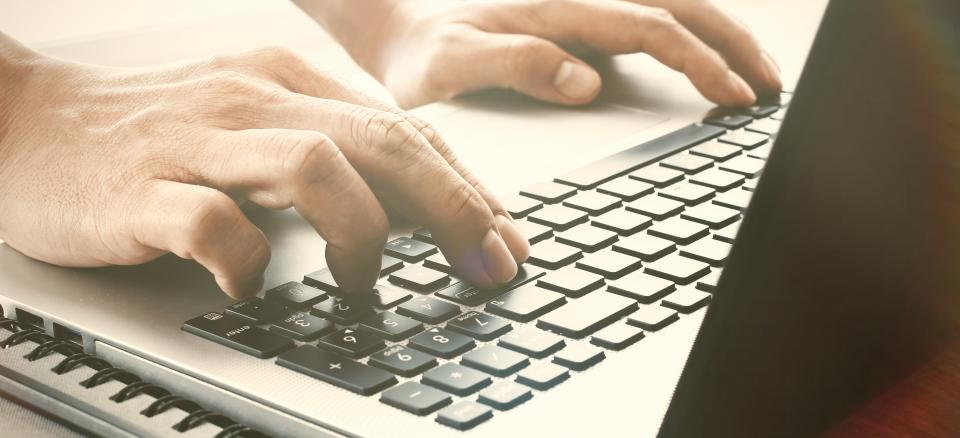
point(16, 65)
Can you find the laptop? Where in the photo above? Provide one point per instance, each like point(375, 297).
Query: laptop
point(755, 271)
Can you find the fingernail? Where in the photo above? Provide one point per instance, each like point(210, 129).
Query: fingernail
point(745, 94)
point(516, 242)
point(772, 72)
point(499, 263)
point(576, 81)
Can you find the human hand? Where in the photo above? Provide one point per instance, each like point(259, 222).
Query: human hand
point(427, 51)
point(103, 166)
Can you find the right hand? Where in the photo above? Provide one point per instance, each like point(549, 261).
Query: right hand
point(103, 166)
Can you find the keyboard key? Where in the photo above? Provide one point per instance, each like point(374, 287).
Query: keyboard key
point(256, 310)
point(390, 326)
point(386, 296)
point(745, 139)
point(321, 279)
point(466, 294)
point(456, 379)
point(479, 326)
point(428, 309)
point(549, 192)
point(553, 255)
point(762, 152)
point(492, 359)
point(294, 295)
point(747, 166)
point(709, 282)
point(779, 115)
point(409, 250)
point(344, 310)
point(558, 217)
point(658, 176)
point(505, 395)
point(579, 356)
point(571, 281)
point(389, 265)
point(543, 375)
point(759, 111)
point(645, 246)
point(711, 215)
point(424, 235)
point(736, 199)
point(678, 269)
point(403, 361)
point(336, 370)
point(622, 222)
point(679, 230)
point(728, 120)
point(532, 341)
point(587, 238)
point(686, 300)
point(716, 150)
point(656, 207)
point(717, 179)
point(351, 343)
point(238, 335)
point(691, 194)
point(652, 318)
point(728, 233)
point(415, 398)
point(592, 202)
point(525, 303)
point(617, 336)
point(641, 287)
point(750, 185)
point(688, 163)
point(626, 188)
point(520, 206)
point(534, 232)
point(442, 343)
point(609, 264)
point(302, 326)
point(707, 250)
point(464, 415)
point(585, 315)
point(765, 126)
point(418, 278)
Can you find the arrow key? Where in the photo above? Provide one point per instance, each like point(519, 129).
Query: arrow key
point(409, 250)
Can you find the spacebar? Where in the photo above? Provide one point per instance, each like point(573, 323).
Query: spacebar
point(618, 164)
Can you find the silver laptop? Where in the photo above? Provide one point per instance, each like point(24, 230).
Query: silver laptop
point(593, 336)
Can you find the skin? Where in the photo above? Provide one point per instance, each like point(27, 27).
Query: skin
point(104, 166)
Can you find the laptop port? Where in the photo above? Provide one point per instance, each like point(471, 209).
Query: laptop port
point(61, 332)
point(29, 319)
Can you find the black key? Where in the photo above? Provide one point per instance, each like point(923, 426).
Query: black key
point(744, 165)
point(716, 150)
point(294, 294)
point(626, 188)
point(302, 326)
point(385, 296)
point(428, 309)
point(424, 235)
point(622, 222)
point(641, 287)
point(520, 206)
point(553, 255)
point(415, 398)
point(464, 415)
point(571, 281)
point(686, 300)
point(765, 126)
point(549, 192)
point(456, 379)
point(409, 250)
point(390, 326)
point(479, 326)
point(617, 336)
point(442, 342)
point(579, 356)
point(678, 269)
point(585, 315)
point(469, 295)
point(525, 303)
point(534, 232)
point(645, 246)
point(656, 207)
point(727, 234)
point(707, 250)
point(728, 120)
point(438, 262)
point(592, 202)
point(505, 395)
point(418, 278)
point(652, 318)
point(403, 361)
point(609, 264)
point(759, 111)
point(691, 194)
point(558, 217)
point(321, 279)
point(658, 176)
point(688, 163)
point(543, 375)
point(717, 179)
point(256, 310)
point(736, 199)
point(344, 310)
point(620, 163)
point(237, 335)
point(336, 370)
point(532, 341)
point(587, 238)
point(709, 282)
point(351, 343)
point(745, 139)
point(492, 359)
point(389, 265)
point(679, 230)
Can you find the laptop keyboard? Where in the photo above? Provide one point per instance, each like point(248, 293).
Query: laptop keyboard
point(621, 249)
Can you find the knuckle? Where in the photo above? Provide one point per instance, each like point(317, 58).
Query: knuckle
point(311, 160)
point(398, 137)
point(226, 82)
point(464, 203)
point(277, 55)
point(213, 213)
